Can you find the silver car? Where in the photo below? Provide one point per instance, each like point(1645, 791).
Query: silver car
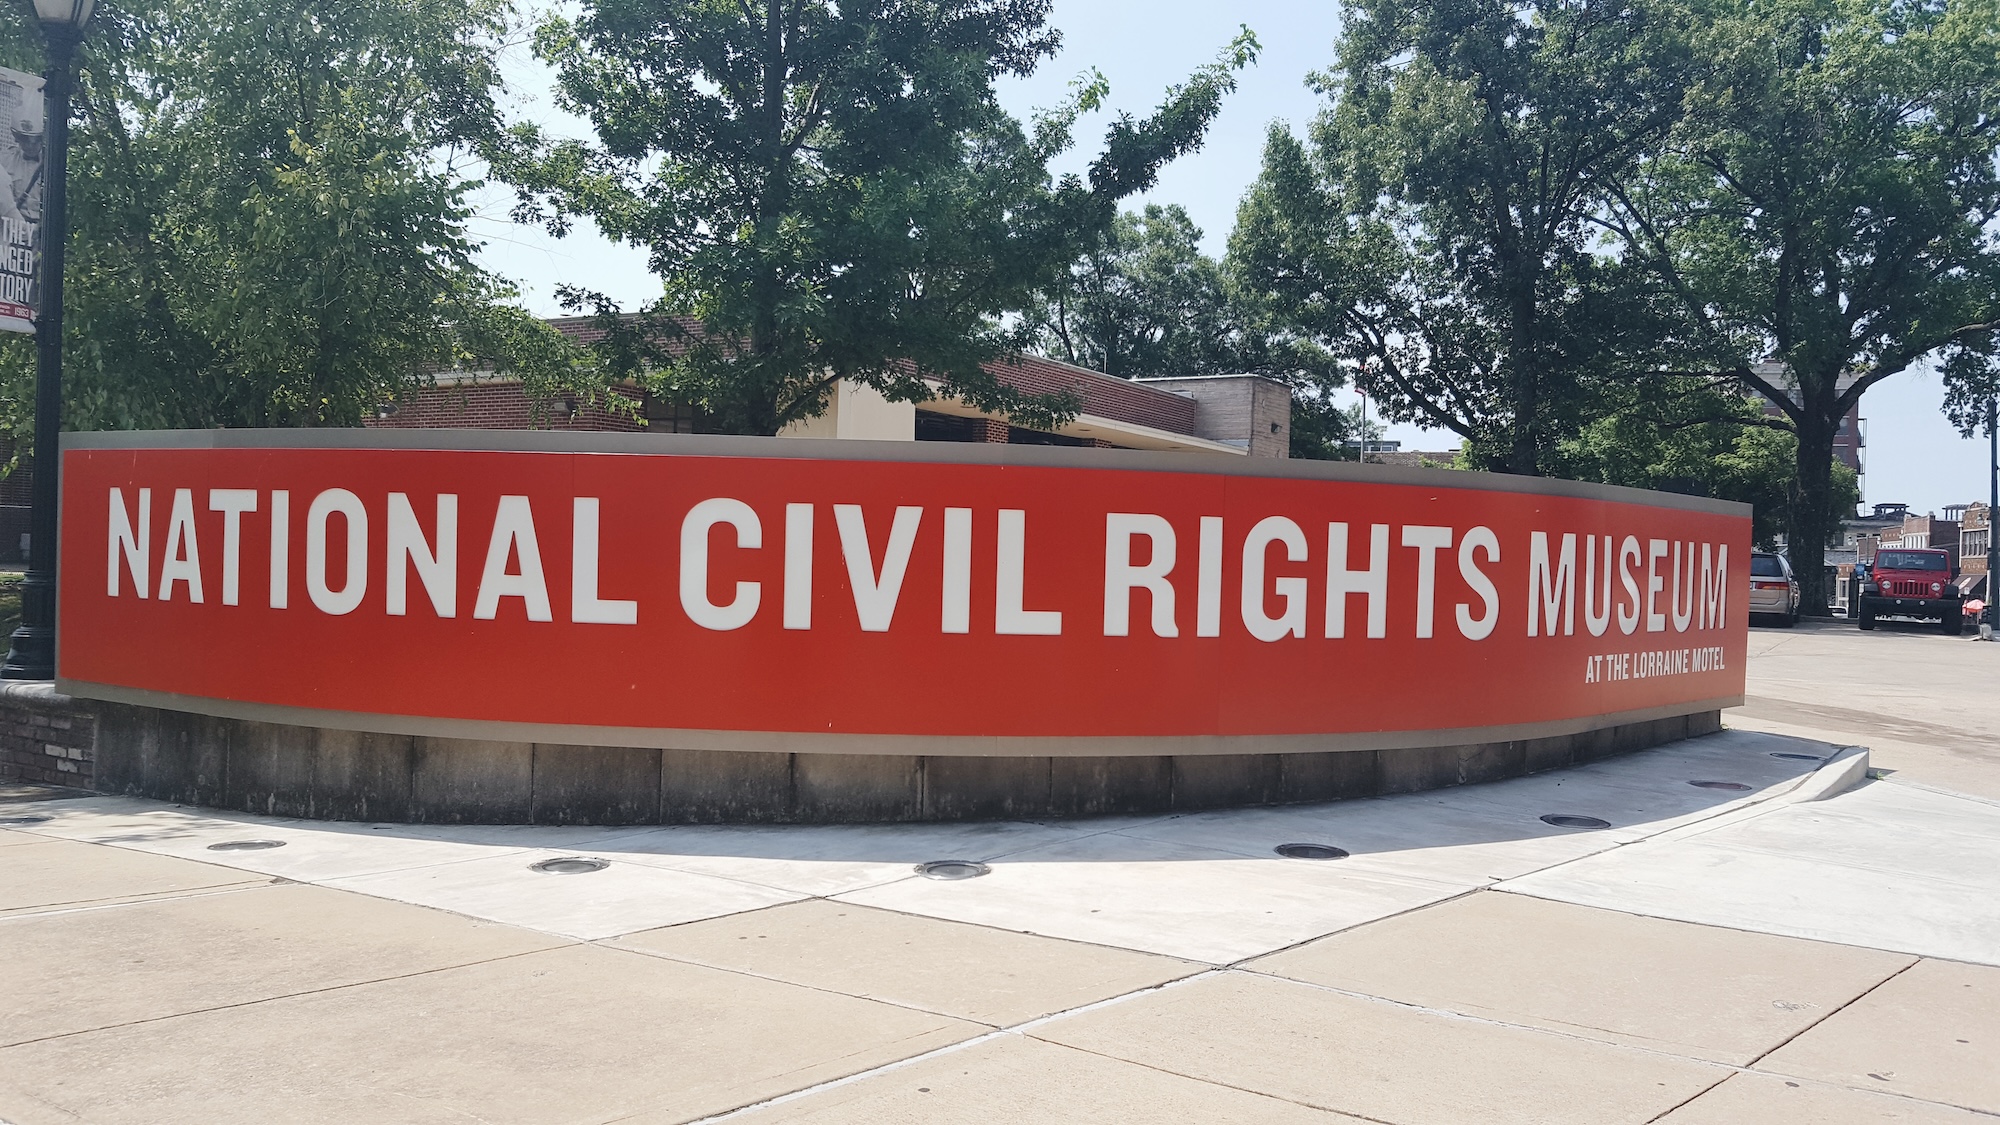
point(1774, 590)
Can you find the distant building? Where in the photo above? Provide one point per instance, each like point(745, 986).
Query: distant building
point(1932, 532)
point(1850, 441)
point(1865, 533)
point(1417, 459)
point(1244, 415)
point(1975, 538)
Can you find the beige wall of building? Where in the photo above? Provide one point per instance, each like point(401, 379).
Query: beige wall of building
point(1248, 412)
point(858, 412)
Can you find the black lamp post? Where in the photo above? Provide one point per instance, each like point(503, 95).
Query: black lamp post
point(1993, 510)
point(32, 655)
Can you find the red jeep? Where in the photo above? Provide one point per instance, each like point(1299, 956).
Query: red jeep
point(1911, 582)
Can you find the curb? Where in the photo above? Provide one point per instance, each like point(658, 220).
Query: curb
point(1846, 769)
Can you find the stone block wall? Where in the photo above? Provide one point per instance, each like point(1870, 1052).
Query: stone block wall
point(326, 774)
point(45, 739)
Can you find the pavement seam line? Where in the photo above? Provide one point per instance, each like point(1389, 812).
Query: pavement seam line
point(1915, 960)
point(838, 901)
point(1019, 1029)
point(1701, 1093)
point(1467, 1017)
point(1913, 784)
point(1552, 897)
point(280, 996)
point(1158, 1069)
point(1733, 1068)
point(56, 910)
point(689, 961)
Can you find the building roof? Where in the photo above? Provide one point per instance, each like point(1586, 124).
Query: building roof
point(1106, 396)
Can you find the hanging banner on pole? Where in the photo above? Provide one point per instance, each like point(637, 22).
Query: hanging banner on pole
point(23, 157)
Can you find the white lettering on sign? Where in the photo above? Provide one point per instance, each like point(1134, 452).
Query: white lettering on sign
point(1714, 587)
point(956, 615)
point(1664, 585)
point(876, 589)
point(332, 502)
point(1628, 553)
point(1010, 584)
point(513, 537)
point(1208, 582)
point(585, 606)
point(1596, 617)
point(182, 559)
point(134, 544)
point(1341, 582)
point(232, 503)
point(1122, 576)
point(1428, 541)
point(436, 569)
point(701, 519)
point(1482, 540)
point(1651, 664)
point(798, 566)
point(281, 549)
point(1656, 621)
point(1551, 590)
point(1683, 599)
point(1256, 545)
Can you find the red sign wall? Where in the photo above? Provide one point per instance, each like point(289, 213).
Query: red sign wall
point(850, 596)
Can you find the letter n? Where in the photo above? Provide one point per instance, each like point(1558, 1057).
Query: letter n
point(133, 543)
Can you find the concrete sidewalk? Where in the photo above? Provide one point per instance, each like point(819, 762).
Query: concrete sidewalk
point(1718, 954)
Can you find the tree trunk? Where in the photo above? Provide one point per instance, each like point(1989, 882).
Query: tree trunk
point(1524, 381)
point(766, 289)
point(1805, 528)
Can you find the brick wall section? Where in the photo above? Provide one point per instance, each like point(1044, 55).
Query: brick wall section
point(1103, 395)
point(46, 738)
point(499, 405)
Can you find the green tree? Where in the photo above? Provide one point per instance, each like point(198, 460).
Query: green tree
point(1433, 227)
point(1829, 203)
point(1703, 443)
point(1143, 301)
point(268, 212)
point(833, 192)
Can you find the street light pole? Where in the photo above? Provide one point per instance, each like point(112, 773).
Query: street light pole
point(1993, 510)
point(32, 652)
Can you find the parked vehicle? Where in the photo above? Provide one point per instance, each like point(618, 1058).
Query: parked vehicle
point(1774, 590)
point(1913, 582)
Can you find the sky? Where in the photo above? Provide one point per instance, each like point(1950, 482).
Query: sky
point(1142, 47)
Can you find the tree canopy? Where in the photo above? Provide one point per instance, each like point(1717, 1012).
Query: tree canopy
point(1549, 226)
point(833, 192)
point(1432, 227)
point(1142, 301)
point(1828, 201)
point(268, 210)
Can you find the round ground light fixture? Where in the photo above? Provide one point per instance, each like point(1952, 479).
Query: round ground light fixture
point(1731, 786)
point(1565, 820)
point(245, 845)
point(1797, 757)
point(570, 865)
point(1310, 851)
point(951, 870)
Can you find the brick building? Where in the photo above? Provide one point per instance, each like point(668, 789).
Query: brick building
point(1246, 415)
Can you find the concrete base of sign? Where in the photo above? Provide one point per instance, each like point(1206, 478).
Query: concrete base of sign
point(332, 774)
